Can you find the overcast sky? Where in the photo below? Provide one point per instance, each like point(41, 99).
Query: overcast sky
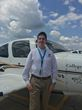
point(60, 19)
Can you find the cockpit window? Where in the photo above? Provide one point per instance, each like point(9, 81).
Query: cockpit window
point(21, 48)
point(4, 51)
point(77, 52)
point(55, 47)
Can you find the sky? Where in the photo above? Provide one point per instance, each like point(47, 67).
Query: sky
point(60, 19)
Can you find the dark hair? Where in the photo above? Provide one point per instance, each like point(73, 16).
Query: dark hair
point(42, 33)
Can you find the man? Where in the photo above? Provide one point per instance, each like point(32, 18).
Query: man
point(42, 67)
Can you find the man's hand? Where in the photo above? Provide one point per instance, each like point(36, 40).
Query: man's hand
point(52, 86)
point(29, 86)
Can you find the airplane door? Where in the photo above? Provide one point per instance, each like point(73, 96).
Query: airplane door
point(20, 50)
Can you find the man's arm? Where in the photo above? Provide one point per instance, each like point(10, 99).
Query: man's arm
point(27, 68)
point(53, 72)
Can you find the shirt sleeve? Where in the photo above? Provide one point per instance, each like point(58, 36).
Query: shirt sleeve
point(53, 68)
point(27, 68)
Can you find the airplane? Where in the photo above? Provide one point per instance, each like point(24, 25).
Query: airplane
point(12, 60)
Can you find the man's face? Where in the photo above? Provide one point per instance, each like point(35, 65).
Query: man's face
point(41, 41)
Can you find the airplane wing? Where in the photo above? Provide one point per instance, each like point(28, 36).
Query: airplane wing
point(11, 80)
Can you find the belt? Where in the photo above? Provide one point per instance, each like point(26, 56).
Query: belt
point(44, 78)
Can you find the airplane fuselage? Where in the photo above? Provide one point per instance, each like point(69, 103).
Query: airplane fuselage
point(69, 77)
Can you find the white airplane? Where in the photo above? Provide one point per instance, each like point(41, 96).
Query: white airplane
point(12, 60)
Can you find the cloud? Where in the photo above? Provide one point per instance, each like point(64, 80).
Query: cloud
point(74, 26)
point(55, 33)
point(54, 14)
point(20, 17)
point(71, 16)
point(64, 39)
point(67, 2)
point(81, 23)
point(73, 42)
point(73, 39)
point(80, 1)
point(14, 26)
point(71, 8)
point(71, 20)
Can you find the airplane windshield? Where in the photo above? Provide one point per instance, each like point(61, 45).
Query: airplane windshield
point(21, 48)
point(4, 50)
point(55, 47)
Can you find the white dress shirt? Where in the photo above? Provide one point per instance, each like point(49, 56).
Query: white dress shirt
point(33, 65)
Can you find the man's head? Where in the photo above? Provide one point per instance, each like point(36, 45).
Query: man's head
point(42, 34)
point(41, 39)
